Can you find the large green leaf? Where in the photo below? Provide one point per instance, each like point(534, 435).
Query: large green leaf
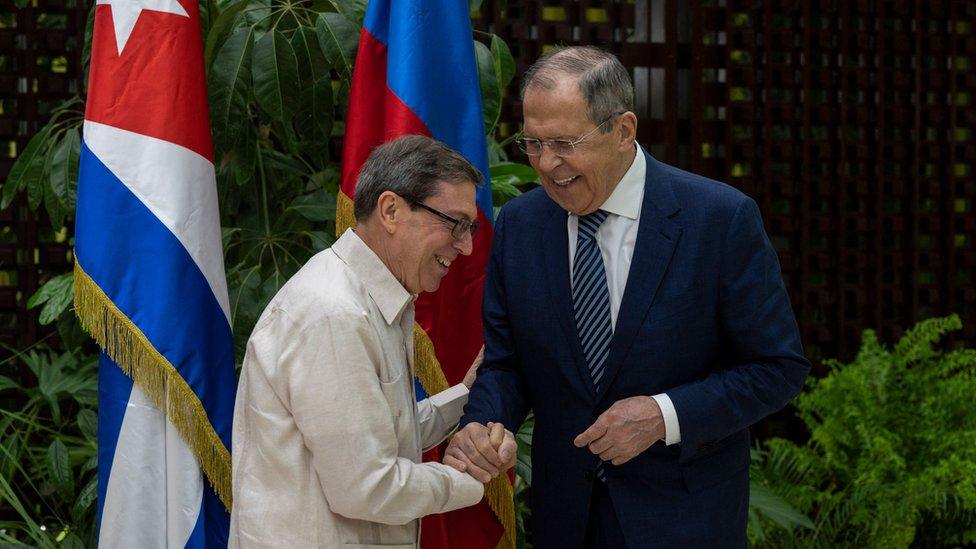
point(312, 64)
point(28, 168)
point(314, 119)
point(56, 294)
point(354, 10)
point(86, 496)
point(244, 160)
point(317, 206)
point(491, 97)
point(338, 37)
point(222, 28)
point(764, 502)
point(57, 462)
point(88, 424)
point(504, 63)
point(64, 174)
point(514, 173)
point(229, 81)
point(37, 188)
point(275, 74)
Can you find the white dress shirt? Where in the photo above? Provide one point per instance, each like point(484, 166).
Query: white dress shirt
point(617, 237)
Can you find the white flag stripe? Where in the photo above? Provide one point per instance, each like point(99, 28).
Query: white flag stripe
point(153, 475)
point(179, 188)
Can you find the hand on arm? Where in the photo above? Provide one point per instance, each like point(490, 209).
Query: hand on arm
point(482, 451)
point(472, 372)
point(626, 429)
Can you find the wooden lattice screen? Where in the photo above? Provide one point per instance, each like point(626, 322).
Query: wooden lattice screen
point(40, 65)
point(851, 123)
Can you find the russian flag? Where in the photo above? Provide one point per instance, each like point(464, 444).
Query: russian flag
point(149, 280)
point(416, 73)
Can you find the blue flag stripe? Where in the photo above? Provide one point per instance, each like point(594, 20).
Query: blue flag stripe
point(123, 246)
point(419, 50)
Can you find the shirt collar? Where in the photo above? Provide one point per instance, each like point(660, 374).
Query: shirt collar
point(625, 200)
point(385, 290)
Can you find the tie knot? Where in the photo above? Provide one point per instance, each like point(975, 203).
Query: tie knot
point(588, 224)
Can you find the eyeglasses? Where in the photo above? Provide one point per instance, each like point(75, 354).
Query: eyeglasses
point(559, 147)
point(461, 226)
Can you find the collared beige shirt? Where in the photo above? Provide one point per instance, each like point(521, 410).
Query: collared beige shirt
point(327, 434)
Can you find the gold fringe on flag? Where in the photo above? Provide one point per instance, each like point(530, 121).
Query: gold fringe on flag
point(499, 492)
point(125, 343)
point(345, 217)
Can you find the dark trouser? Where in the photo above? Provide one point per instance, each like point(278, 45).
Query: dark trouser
point(603, 530)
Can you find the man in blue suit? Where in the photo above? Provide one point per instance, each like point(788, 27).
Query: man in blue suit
point(640, 312)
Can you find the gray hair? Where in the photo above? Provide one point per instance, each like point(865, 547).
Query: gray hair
point(412, 166)
point(603, 80)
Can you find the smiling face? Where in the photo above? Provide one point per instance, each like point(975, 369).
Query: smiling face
point(579, 183)
point(423, 248)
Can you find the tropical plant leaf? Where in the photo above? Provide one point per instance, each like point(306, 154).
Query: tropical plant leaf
point(763, 501)
point(316, 206)
point(57, 461)
point(490, 95)
point(274, 71)
point(245, 156)
point(222, 27)
point(312, 64)
point(354, 10)
point(56, 294)
point(28, 168)
point(86, 497)
point(503, 61)
point(230, 79)
point(88, 424)
point(314, 118)
point(338, 37)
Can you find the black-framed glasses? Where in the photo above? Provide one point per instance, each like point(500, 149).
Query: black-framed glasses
point(559, 147)
point(460, 226)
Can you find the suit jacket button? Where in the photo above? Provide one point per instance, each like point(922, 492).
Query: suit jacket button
point(588, 476)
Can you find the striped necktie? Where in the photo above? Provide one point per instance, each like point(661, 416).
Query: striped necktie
point(591, 298)
point(591, 302)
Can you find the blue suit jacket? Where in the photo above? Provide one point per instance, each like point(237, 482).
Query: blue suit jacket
point(705, 318)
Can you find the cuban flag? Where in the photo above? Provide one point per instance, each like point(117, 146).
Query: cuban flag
point(416, 73)
point(149, 281)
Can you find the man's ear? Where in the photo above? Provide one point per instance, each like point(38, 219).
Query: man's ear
point(627, 128)
point(388, 209)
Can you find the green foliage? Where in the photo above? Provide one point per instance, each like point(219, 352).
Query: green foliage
point(891, 460)
point(47, 168)
point(56, 294)
point(48, 449)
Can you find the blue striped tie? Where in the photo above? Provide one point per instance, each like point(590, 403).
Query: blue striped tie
point(591, 301)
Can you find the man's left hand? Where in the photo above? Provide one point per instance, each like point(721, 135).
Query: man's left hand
point(626, 429)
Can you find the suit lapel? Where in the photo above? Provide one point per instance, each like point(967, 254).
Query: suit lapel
point(556, 252)
point(657, 238)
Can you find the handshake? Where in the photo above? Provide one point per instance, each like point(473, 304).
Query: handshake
point(482, 451)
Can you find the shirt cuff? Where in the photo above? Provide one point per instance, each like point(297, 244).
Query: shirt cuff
point(672, 431)
point(450, 402)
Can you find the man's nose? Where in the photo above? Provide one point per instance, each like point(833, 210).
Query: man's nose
point(465, 245)
point(548, 160)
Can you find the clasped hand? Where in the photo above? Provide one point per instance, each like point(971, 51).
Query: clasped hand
point(626, 429)
point(472, 451)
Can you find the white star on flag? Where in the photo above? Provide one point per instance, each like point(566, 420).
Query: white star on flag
point(125, 13)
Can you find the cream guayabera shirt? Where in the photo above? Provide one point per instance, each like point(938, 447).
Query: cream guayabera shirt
point(327, 434)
